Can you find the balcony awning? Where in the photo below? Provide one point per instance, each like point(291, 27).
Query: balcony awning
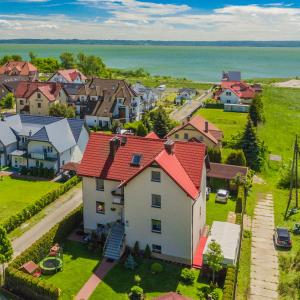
point(18, 153)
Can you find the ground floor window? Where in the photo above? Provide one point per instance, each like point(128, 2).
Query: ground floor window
point(156, 226)
point(156, 248)
point(100, 207)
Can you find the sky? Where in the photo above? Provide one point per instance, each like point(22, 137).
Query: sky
point(193, 20)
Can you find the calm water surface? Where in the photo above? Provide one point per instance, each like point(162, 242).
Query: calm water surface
point(197, 63)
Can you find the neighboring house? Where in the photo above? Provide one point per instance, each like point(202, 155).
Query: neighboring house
point(4, 90)
point(231, 76)
point(148, 96)
point(152, 188)
point(36, 98)
point(185, 94)
point(197, 129)
point(68, 76)
point(104, 100)
point(38, 141)
point(72, 91)
point(17, 71)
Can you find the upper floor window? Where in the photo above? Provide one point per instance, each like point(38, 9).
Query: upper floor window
point(186, 136)
point(176, 136)
point(156, 226)
point(155, 176)
point(100, 207)
point(228, 101)
point(99, 184)
point(39, 105)
point(156, 201)
point(21, 102)
point(39, 95)
point(228, 93)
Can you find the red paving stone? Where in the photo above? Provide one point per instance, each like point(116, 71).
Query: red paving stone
point(198, 258)
point(88, 288)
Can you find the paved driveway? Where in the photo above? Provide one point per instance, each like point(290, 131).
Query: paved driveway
point(264, 260)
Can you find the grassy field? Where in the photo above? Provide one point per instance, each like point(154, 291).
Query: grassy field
point(15, 194)
point(117, 283)
point(79, 264)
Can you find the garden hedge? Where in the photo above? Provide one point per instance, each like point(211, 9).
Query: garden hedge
point(27, 286)
point(228, 289)
point(240, 200)
point(32, 209)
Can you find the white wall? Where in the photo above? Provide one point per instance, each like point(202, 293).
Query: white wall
point(232, 98)
point(91, 195)
point(94, 121)
point(81, 145)
point(175, 215)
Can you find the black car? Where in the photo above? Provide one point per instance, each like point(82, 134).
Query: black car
point(282, 238)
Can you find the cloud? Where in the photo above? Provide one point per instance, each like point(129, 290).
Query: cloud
point(134, 19)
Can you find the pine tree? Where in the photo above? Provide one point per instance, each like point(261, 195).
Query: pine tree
point(130, 262)
point(161, 122)
point(252, 148)
point(256, 111)
point(214, 155)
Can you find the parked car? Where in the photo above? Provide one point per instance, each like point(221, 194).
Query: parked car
point(282, 238)
point(222, 196)
point(161, 87)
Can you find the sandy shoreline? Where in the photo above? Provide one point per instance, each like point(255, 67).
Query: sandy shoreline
point(293, 83)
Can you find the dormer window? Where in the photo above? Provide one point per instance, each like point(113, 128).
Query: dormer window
point(136, 160)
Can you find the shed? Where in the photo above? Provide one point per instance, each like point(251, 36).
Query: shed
point(224, 171)
point(227, 235)
point(31, 268)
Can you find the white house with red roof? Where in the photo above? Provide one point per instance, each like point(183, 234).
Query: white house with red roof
point(197, 129)
point(146, 190)
point(68, 76)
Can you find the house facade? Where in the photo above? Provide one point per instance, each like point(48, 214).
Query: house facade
point(199, 130)
point(68, 76)
point(38, 141)
point(151, 187)
point(36, 98)
point(18, 70)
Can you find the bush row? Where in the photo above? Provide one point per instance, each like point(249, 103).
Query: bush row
point(228, 289)
point(28, 286)
point(32, 209)
point(240, 200)
point(214, 105)
point(38, 172)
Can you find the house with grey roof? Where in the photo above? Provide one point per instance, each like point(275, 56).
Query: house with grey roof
point(39, 141)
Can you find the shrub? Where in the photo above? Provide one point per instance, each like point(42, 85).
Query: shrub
point(147, 252)
point(30, 287)
point(238, 219)
point(188, 276)
point(130, 263)
point(137, 279)
point(136, 249)
point(156, 268)
point(136, 292)
point(236, 157)
point(240, 200)
point(32, 209)
point(229, 283)
point(214, 155)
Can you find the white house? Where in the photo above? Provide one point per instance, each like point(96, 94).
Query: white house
point(146, 190)
point(148, 96)
point(68, 76)
point(185, 94)
point(38, 141)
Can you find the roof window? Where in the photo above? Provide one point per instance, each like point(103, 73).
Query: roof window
point(136, 159)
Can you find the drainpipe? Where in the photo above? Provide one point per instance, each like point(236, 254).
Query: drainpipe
point(193, 232)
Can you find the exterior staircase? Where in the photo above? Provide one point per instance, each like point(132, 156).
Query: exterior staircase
point(115, 242)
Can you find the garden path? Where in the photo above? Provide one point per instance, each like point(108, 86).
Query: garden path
point(264, 260)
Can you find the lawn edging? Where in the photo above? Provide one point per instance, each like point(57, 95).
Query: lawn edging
point(32, 209)
point(26, 285)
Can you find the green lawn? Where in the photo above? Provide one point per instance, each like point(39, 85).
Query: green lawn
point(229, 122)
point(218, 211)
point(117, 283)
point(79, 263)
point(15, 194)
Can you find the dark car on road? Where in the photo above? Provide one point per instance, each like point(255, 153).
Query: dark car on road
point(282, 238)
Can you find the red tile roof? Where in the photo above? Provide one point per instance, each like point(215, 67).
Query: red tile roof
point(152, 135)
point(224, 171)
point(184, 169)
point(214, 134)
point(71, 74)
point(24, 68)
point(49, 89)
point(240, 88)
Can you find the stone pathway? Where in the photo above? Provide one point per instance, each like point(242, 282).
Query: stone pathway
point(247, 222)
point(264, 260)
point(89, 287)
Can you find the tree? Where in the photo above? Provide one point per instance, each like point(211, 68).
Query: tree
point(8, 101)
point(6, 58)
point(32, 56)
point(68, 60)
point(46, 65)
point(147, 121)
point(214, 257)
point(130, 263)
point(161, 122)
point(253, 149)
point(61, 110)
point(141, 130)
point(214, 155)
point(236, 158)
point(92, 65)
point(6, 250)
point(256, 111)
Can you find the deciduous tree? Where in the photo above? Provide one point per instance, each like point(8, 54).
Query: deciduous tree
point(214, 257)
point(61, 110)
point(68, 60)
point(237, 158)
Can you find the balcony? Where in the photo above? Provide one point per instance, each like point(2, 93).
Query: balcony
point(118, 196)
point(43, 156)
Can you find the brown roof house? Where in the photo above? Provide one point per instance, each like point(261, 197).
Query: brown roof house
point(104, 100)
point(18, 70)
point(197, 129)
point(35, 98)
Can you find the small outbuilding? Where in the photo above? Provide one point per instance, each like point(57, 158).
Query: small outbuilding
point(227, 235)
point(31, 268)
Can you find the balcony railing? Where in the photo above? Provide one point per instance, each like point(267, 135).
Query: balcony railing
point(43, 156)
point(118, 196)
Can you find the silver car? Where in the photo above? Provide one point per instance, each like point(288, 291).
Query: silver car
point(222, 196)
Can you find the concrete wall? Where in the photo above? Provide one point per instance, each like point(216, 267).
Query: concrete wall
point(236, 107)
point(175, 215)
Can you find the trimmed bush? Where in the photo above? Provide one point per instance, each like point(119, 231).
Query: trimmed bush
point(188, 276)
point(147, 252)
point(136, 249)
point(136, 292)
point(238, 219)
point(32, 209)
point(156, 268)
point(229, 283)
point(240, 200)
point(137, 279)
point(30, 287)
